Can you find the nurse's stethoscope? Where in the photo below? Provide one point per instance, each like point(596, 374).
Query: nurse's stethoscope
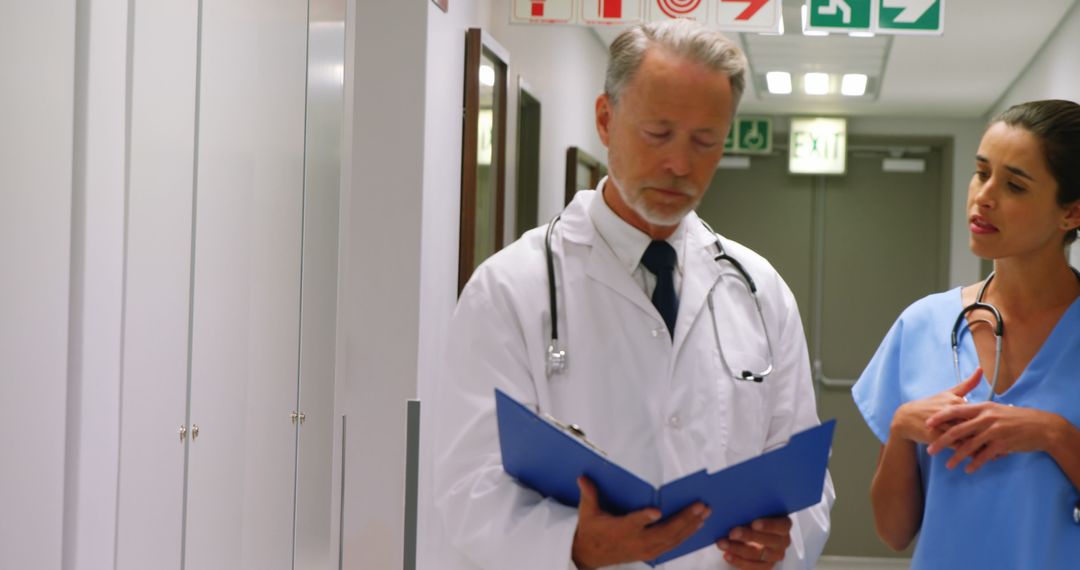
point(998, 327)
point(556, 355)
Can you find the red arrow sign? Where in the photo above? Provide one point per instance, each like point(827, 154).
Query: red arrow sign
point(754, 6)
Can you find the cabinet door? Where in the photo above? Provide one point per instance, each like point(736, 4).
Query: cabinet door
point(246, 285)
point(157, 286)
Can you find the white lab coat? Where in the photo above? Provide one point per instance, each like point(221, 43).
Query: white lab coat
point(659, 407)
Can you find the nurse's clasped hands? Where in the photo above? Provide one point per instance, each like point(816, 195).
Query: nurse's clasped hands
point(604, 539)
point(911, 421)
point(989, 430)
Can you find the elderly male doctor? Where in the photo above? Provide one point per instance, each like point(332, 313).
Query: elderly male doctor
point(650, 373)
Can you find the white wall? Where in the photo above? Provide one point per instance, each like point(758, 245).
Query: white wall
point(1052, 74)
point(37, 62)
point(564, 66)
point(379, 268)
point(439, 229)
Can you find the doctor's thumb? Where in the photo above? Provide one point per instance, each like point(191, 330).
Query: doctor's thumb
point(962, 389)
point(588, 502)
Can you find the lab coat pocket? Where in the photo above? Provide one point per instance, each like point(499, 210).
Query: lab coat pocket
point(748, 417)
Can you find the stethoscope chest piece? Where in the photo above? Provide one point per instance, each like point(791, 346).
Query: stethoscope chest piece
point(556, 359)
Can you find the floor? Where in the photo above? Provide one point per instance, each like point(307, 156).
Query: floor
point(855, 563)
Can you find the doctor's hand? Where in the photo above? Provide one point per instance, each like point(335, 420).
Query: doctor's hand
point(603, 539)
point(990, 430)
point(759, 546)
point(910, 421)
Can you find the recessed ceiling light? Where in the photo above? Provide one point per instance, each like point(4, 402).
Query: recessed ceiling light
point(853, 84)
point(816, 83)
point(804, 21)
point(779, 82)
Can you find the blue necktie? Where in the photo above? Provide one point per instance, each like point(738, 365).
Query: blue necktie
point(660, 259)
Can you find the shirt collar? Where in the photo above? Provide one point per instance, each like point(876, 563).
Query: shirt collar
point(627, 242)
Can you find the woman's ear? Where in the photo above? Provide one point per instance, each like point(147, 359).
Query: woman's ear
point(1071, 220)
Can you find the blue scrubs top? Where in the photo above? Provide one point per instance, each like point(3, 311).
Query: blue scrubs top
point(1016, 512)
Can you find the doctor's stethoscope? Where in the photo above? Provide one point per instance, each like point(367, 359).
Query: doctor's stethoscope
point(998, 328)
point(556, 355)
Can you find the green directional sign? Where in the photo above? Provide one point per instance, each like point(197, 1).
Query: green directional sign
point(750, 135)
point(845, 15)
point(878, 16)
point(911, 16)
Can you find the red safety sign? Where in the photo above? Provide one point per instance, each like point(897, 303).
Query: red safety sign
point(761, 16)
point(610, 8)
point(678, 8)
point(754, 6)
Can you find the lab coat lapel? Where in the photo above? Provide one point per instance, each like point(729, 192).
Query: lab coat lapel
point(605, 268)
point(602, 265)
point(700, 272)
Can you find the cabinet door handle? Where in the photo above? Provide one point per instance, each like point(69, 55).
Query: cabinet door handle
point(182, 432)
point(194, 432)
point(295, 416)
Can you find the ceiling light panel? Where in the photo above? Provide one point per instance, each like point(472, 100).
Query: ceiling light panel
point(816, 83)
point(853, 84)
point(778, 82)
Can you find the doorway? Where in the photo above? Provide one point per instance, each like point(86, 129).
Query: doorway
point(856, 250)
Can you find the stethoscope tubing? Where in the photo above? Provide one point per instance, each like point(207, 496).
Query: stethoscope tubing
point(998, 327)
point(557, 357)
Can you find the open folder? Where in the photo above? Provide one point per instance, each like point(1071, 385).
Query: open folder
point(549, 459)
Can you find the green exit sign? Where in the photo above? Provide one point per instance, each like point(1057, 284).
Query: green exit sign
point(876, 16)
point(818, 145)
point(749, 135)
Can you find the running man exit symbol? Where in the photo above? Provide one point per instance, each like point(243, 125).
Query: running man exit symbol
point(846, 14)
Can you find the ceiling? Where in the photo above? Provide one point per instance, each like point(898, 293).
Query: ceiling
point(960, 74)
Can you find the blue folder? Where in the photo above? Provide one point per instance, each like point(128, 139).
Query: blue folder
point(548, 459)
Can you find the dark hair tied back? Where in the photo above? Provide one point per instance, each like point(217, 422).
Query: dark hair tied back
point(1057, 125)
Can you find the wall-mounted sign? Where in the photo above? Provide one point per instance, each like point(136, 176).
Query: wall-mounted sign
point(749, 135)
point(818, 146)
point(878, 16)
point(726, 15)
point(443, 5)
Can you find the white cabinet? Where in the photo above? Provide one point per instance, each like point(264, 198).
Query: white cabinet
point(214, 303)
point(157, 288)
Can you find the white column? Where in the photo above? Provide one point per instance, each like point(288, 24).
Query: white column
point(37, 62)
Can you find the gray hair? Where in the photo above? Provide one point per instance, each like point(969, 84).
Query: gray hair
point(682, 37)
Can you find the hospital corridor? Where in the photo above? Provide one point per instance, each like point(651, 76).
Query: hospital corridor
point(539, 284)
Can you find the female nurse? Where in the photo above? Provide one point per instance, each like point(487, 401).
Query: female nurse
point(988, 476)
